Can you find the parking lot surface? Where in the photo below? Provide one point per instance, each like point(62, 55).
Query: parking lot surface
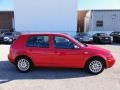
point(58, 79)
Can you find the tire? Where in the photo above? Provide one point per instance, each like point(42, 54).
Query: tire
point(24, 64)
point(95, 66)
point(110, 42)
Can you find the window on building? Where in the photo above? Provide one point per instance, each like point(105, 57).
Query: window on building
point(99, 23)
point(114, 16)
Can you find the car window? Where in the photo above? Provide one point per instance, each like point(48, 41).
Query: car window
point(38, 41)
point(103, 34)
point(95, 35)
point(63, 43)
point(17, 33)
point(100, 34)
point(7, 34)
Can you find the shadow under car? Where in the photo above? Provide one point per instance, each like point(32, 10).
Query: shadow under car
point(9, 73)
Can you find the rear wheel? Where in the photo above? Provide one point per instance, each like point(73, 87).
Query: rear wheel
point(95, 66)
point(24, 64)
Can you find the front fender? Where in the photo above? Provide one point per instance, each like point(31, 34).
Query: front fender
point(92, 56)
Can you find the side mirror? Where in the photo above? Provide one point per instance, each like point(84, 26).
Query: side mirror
point(76, 47)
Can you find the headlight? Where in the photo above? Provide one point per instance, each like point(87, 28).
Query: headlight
point(91, 38)
point(6, 37)
point(10, 40)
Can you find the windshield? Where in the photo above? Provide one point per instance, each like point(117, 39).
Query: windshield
point(7, 34)
point(116, 33)
point(102, 34)
point(83, 34)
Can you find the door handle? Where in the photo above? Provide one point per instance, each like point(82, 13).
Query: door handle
point(60, 53)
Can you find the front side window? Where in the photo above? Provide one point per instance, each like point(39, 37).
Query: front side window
point(63, 43)
point(38, 41)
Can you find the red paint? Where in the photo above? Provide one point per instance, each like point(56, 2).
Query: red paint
point(54, 57)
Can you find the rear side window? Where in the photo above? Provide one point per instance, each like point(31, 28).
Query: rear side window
point(38, 41)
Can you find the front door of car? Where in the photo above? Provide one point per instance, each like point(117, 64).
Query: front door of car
point(66, 53)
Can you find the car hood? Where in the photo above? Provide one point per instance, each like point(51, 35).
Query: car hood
point(97, 49)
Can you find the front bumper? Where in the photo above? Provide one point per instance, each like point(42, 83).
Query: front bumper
point(85, 41)
point(8, 40)
point(106, 41)
point(1, 39)
point(90, 41)
point(110, 62)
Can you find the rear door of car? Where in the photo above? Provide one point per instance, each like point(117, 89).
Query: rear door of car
point(39, 47)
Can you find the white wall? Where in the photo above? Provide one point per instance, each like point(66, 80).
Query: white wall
point(46, 15)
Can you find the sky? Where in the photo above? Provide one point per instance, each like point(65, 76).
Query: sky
point(98, 4)
point(6, 5)
point(82, 4)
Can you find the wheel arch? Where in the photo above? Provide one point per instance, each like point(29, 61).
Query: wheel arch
point(23, 56)
point(93, 57)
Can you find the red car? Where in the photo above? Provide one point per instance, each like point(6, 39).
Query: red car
point(57, 50)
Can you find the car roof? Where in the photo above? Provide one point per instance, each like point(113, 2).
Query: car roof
point(33, 34)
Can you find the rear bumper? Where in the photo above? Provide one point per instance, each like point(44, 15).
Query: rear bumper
point(10, 58)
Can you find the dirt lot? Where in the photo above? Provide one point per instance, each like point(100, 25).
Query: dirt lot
point(58, 79)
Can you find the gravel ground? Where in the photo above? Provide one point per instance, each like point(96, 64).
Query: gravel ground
point(58, 79)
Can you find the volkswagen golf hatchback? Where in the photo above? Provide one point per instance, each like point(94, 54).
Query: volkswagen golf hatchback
point(57, 50)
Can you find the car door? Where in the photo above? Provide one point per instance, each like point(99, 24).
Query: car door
point(66, 53)
point(39, 49)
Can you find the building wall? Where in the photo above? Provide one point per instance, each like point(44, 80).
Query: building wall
point(87, 22)
point(110, 18)
point(46, 15)
point(6, 22)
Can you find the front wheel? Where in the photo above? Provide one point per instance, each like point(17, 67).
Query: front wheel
point(24, 64)
point(95, 66)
